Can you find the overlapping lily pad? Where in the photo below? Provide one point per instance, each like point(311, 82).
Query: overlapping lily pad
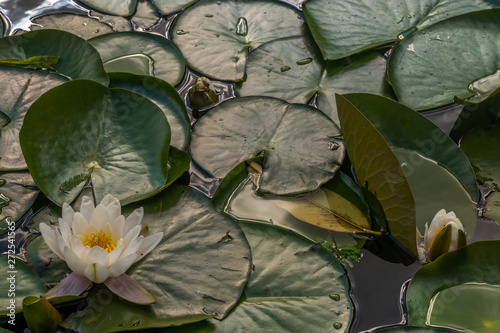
point(294, 287)
point(116, 137)
point(294, 70)
point(492, 211)
point(432, 66)
point(142, 54)
point(17, 194)
point(343, 28)
point(46, 264)
point(165, 96)
point(78, 59)
point(24, 87)
point(460, 290)
point(167, 7)
point(412, 329)
point(216, 35)
point(115, 7)
point(302, 147)
point(197, 271)
point(83, 26)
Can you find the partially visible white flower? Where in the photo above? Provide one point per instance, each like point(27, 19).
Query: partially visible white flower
point(445, 234)
point(99, 245)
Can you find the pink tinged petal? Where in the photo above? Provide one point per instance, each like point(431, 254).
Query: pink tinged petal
point(129, 289)
point(131, 235)
point(133, 219)
point(72, 285)
point(74, 262)
point(80, 224)
point(117, 227)
point(96, 272)
point(98, 255)
point(87, 208)
point(100, 217)
point(121, 266)
point(133, 246)
point(49, 236)
point(114, 209)
point(148, 244)
point(67, 214)
point(115, 254)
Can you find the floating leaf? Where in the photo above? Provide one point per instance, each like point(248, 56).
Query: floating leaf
point(117, 137)
point(492, 211)
point(18, 191)
point(378, 169)
point(481, 147)
point(167, 7)
point(343, 28)
point(165, 96)
point(216, 35)
point(197, 271)
point(142, 54)
point(294, 287)
point(80, 25)
point(460, 289)
point(412, 329)
point(78, 59)
point(41, 316)
point(298, 158)
point(36, 62)
point(146, 16)
point(432, 66)
point(115, 7)
point(50, 268)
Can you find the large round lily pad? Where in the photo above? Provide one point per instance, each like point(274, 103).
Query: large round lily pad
point(451, 58)
point(294, 70)
point(141, 53)
point(301, 145)
point(167, 7)
point(216, 35)
point(24, 87)
point(82, 129)
point(77, 58)
point(80, 25)
point(197, 271)
point(115, 7)
point(294, 287)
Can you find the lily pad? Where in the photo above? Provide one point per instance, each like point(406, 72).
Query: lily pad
point(298, 158)
point(142, 54)
point(432, 66)
point(96, 133)
point(18, 191)
point(114, 7)
point(343, 28)
point(294, 287)
point(197, 271)
point(294, 70)
point(215, 36)
point(40, 315)
point(46, 264)
point(481, 147)
point(80, 25)
point(78, 59)
point(146, 16)
point(167, 7)
point(163, 95)
point(460, 289)
point(379, 171)
point(24, 87)
point(412, 329)
point(492, 211)
point(19, 280)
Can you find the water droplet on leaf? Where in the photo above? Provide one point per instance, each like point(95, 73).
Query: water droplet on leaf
point(304, 61)
point(285, 68)
point(242, 26)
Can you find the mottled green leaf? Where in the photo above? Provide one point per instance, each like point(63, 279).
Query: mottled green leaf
point(115, 7)
point(40, 315)
point(18, 191)
point(82, 26)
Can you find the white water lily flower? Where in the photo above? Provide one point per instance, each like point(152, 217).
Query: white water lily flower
point(445, 234)
point(99, 245)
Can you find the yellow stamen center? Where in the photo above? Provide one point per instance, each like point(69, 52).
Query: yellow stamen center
point(101, 239)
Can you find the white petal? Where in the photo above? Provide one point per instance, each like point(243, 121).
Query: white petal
point(108, 198)
point(134, 245)
point(74, 262)
point(121, 266)
point(148, 244)
point(60, 242)
point(80, 225)
point(117, 227)
point(72, 285)
point(97, 255)
point(131, 235)
point(87, 208)
point(78, 248)
point(132, 220)
point(67, 214)
point(114, 209)
point(65, 231)
point(127, 288)
point(96, 273)
point(115, 254)
point(100, 217)
point(49, 236)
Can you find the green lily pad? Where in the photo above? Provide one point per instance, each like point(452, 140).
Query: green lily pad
point(342, 29)
point(215, 36)
point(492, 211)
point(146, 16)
point(197, 271)
point(412, 329)
point(167, 7)
point(294, 70)
point(80, 25)
point(19, 280)
point(46, 264)
point(378, 169)
point(48, 215)
point(114, 7)
point(460, 289)
point(142, 54)
point(404, 128)
point(294, 287)
point(24, 87)
point(451, 58)
point(18, 191)
point(40, 315)
point(481, 147)
point(78, 59)
point(116, 137)
point(163, 95)
point(298, 158)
